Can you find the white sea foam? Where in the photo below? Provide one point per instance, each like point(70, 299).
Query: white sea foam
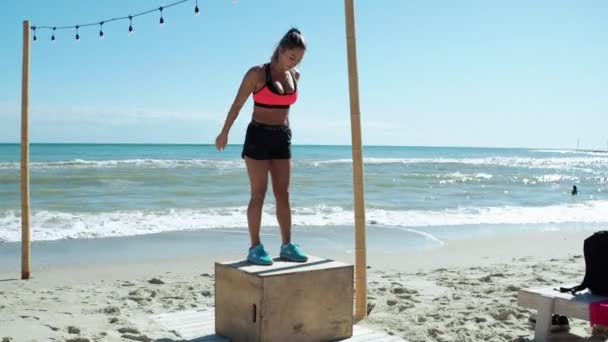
point(586, 152)
point(581, 163)
point(131, 163)
point(458, 177)
point(53, 225)
point(522, 162)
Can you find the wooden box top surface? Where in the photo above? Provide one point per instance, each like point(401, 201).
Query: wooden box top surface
point(282, 267)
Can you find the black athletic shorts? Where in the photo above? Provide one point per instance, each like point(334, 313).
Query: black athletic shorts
point(265, 142)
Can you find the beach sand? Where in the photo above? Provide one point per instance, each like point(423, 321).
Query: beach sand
point(464, 290)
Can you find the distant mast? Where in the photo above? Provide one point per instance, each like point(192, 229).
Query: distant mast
point(578, 141)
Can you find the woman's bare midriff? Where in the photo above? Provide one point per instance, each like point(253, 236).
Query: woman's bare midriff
point(271, 116)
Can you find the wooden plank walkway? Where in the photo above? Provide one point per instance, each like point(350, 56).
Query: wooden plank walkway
point(199, 326)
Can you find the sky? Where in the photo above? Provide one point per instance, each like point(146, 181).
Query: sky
point(515, 73)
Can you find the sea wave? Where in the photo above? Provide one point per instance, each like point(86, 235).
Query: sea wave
point(54, 225)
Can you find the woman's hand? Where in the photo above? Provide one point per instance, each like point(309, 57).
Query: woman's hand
point(221, 141)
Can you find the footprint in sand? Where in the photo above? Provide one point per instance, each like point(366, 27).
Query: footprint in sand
point(434, 316)
point(403, 290)
point(111, 310)
point(512, 288)
point(133, 334)
point(404, 307)
point(541, 280)
point(442, 300)
point(51, 327)
point(128, 331)
point(137, 299)
point(73, 330)
point(156, 281)
point(141, 338)
point(480, 319)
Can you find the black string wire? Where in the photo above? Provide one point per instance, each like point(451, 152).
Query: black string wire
point(130, 17)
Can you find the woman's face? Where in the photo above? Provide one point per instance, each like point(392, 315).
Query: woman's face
point(289, 58)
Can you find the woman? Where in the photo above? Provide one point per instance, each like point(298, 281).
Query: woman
point(267, 147)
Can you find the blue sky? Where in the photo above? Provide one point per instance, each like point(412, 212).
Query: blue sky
point(514, 73)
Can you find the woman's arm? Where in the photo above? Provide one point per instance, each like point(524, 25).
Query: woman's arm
point(247, 87)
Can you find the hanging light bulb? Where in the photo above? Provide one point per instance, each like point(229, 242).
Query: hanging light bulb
point(53, 36)
point(130, 25)
point(101, 30)
point(196, 8)
point(162, 20)
point(77, 35)
point(34, 29)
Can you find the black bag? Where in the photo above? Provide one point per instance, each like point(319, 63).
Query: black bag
point(596, 266)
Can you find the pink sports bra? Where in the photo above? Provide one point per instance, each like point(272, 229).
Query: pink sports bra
point(270, 97)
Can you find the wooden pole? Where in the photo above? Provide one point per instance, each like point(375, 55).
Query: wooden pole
point(25, 155)
point(355, 120)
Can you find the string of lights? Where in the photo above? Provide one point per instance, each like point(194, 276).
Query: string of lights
point(129, 17)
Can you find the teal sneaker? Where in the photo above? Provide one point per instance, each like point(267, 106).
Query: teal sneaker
point(259, 256)
point(292, 252)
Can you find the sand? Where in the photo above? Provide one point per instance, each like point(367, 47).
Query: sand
point(463, 291)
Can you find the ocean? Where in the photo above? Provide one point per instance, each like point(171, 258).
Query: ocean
point(89, 191)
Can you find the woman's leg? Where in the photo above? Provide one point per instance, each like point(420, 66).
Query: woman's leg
point(258, 179)
point(280, 171)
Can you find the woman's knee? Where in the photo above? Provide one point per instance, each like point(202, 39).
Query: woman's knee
point(257, 197)
point(281, 195)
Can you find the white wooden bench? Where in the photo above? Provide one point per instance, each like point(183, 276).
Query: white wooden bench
point(548, 301)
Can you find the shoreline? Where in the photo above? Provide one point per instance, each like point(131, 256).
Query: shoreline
point(384, 243)
point(458, 253)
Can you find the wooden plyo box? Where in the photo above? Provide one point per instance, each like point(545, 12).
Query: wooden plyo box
point(288, 301)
